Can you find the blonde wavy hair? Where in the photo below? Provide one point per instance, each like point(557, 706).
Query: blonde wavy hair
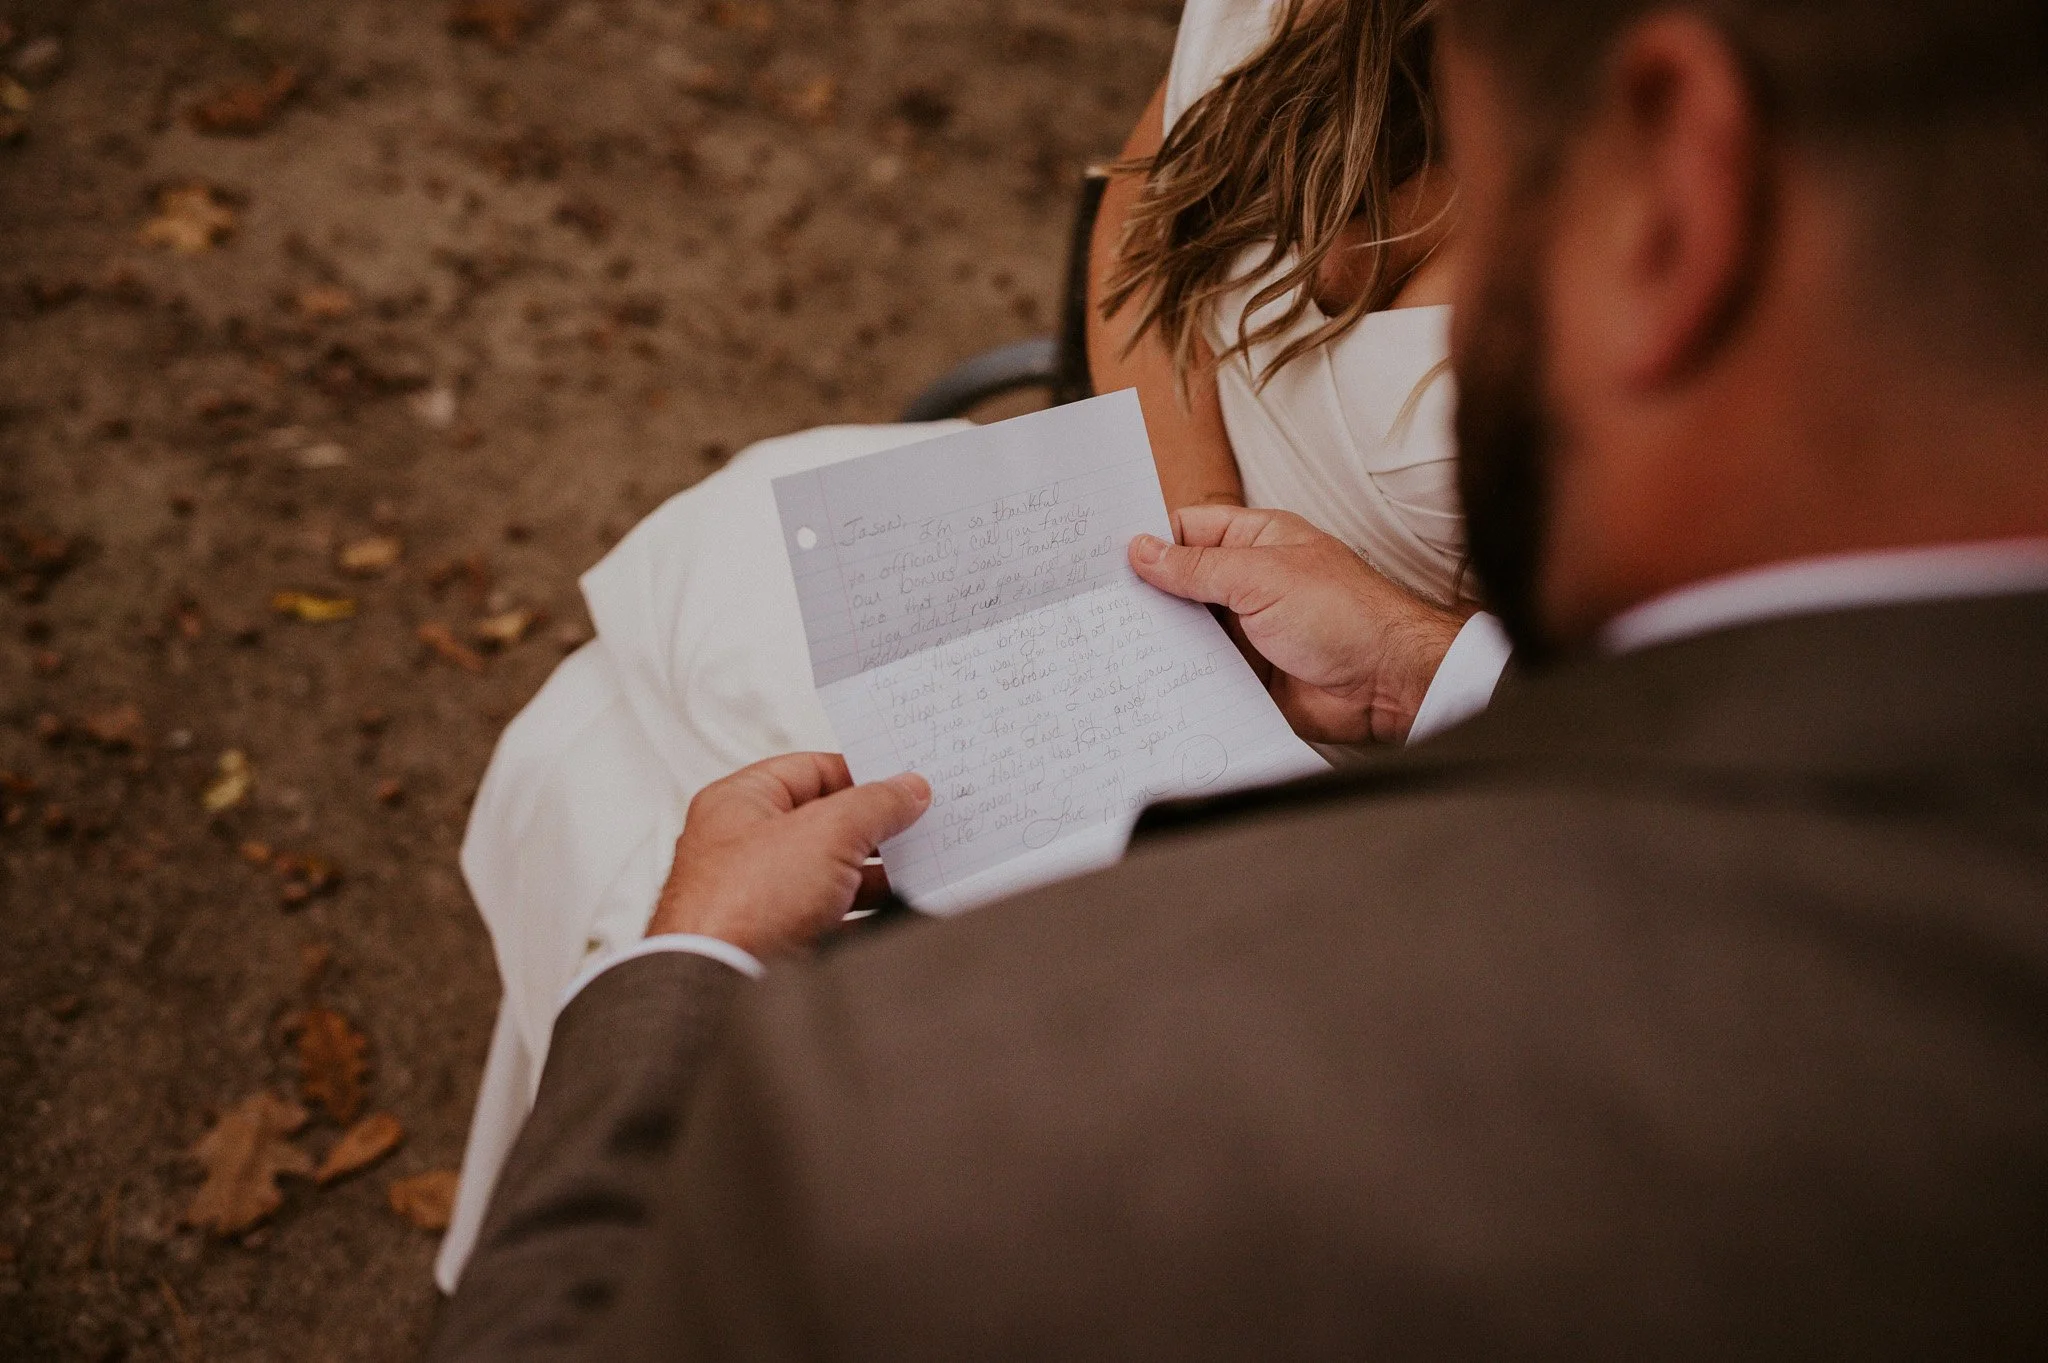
point(1322, 126)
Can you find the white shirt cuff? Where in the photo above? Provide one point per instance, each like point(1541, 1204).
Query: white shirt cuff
point(723, 952)
point(1464, 681)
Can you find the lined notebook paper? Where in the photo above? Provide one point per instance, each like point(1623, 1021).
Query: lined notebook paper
point(972, 617)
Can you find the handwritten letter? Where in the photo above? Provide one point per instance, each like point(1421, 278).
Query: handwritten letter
point(972, 617)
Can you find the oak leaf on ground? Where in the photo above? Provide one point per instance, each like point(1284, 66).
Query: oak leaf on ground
point(815, 102)
point(370, 556)
point(190, 219)
point(361, 1146)
point(305, 877)
point(233, 777)
point(332, 1062)
point(449, 649)
point(427, 1200)
point(472, 572)
point(313, 610)
point(506, 628)
point(120, 727)
point(326, 303)
point(245, 1154)
point(246, 109)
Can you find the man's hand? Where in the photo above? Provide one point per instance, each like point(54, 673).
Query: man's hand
point(1351, 655)
point(773, 855)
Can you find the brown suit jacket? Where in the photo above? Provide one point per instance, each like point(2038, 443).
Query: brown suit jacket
point(1693, 1003)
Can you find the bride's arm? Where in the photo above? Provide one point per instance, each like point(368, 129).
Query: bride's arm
point(1189, 442)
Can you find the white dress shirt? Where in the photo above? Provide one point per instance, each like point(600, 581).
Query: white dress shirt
point(1465, 680)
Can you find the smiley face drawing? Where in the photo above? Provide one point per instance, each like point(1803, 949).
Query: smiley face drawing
point(1202, 760)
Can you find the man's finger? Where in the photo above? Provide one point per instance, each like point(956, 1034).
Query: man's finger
point(1204, 526)
point(1238, 580)
point(1212, 526)
point(797, 778)
point(867, 816)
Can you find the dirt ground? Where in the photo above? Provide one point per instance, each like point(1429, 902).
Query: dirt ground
point(492, 294)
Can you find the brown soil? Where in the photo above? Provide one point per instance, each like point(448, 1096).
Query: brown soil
point(496, 302)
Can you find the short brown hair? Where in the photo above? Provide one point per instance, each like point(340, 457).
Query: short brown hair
point(1937, 108)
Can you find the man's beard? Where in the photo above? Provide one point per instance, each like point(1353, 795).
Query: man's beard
point(1507, 438)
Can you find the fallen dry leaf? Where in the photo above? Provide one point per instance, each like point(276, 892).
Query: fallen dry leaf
point(305, 877)
point(368, 557)
point(47, 295)
point(313, 610)
point(46, 553)
point(473, 572)
point(427, 1200)
point(448, 648)
point(506, 628)
point(361, 1146)
point(815, 102)
point(331, 1062)
point(745, 18)
point(120, 727)
point(245, 1154)
point(326, 303)
point(233, 776)
point(39, 60)
point(436, 407)
point(504, 23)
point(587, 216)
point(247, 109)
point(190, 220)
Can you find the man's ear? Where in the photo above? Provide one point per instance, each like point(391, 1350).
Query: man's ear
point(1680, 148)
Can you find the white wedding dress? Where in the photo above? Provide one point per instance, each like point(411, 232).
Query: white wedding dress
point(699, 666)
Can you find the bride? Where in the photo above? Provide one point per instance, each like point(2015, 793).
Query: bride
point(1268, 273)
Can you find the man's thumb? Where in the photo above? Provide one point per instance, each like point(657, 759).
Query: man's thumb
point(1217, 577)
point(874, 813)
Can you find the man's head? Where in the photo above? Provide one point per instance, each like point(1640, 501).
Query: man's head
point(1748, 280)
